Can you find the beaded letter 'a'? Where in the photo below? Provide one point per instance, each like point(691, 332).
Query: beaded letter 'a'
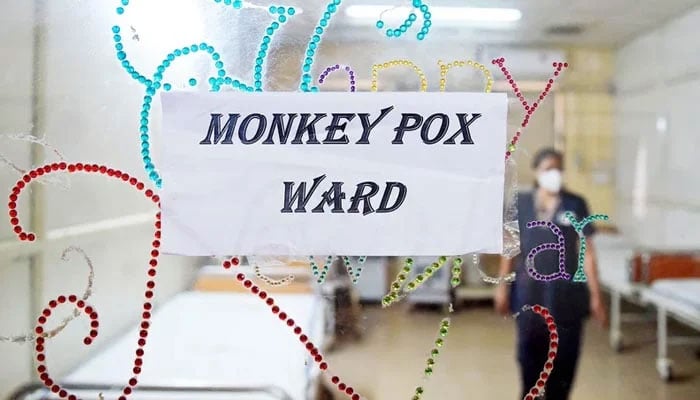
point(559, 246)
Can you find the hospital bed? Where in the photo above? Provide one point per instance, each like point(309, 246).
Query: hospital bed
point(211, 346)
point(342, 301)
point(614, 253)
point(38, 392)
point(679, 298)
point(214, 278)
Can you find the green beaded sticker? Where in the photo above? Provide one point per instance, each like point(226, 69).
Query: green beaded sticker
point(430, 362)
point(580, 275)
point(456, 272)
point(321, 275)
point(354, 273)
point(395, 294)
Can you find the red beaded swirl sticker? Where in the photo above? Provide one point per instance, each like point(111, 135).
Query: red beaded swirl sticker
point(41, 356)
point(31, 337)
point(289, 321)
point(529, 108)
point(80, 304)
point(539, 386)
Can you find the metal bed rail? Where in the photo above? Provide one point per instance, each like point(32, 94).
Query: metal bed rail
point(37, 391)
point(633, 293)
point(664, 365)
point(639, 294)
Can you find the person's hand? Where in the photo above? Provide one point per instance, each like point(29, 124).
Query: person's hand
point(501, 301)
point(598, 310)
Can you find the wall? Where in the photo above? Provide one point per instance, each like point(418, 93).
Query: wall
point(15, 116)
point(658, 92)
point(585, 128)
point(87, 108)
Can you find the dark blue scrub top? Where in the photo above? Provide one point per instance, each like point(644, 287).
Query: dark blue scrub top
point(566, 300)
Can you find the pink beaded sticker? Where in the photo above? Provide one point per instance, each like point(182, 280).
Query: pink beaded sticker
point(530, 109)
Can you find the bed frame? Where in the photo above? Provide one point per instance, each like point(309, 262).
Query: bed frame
point(613, 260)
point(37, 391)
point(685, 313)
point(615, 272)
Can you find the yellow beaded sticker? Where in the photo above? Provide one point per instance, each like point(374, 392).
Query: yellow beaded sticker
point(444, 68)
point(396, 63)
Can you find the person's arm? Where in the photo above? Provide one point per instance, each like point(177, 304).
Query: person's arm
point(506, 266)
point(501, 299)
point(590, 266)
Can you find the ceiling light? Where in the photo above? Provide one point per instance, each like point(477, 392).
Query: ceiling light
point(456, 14)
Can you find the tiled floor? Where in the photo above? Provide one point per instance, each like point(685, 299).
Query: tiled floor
point(478, 360)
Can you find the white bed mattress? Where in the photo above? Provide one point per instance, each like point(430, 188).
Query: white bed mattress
point(613, 253)
point(683, 290)
point(217, 340)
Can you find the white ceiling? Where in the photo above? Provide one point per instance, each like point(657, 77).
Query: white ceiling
point(604, 22)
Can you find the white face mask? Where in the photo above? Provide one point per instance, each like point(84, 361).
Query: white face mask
point(550, 180)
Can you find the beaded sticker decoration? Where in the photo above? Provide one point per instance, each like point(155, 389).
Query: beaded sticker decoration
point(538, 388)
point(320, 273)
point(40, 341)
point(580, 275)
point(444, 68)
point(80, 304)
point(31, 337)
point(418, 5)
point(314, 352)
point(559, 246)
point(336, 67)
point(395, 288)
point(430, 363)
point(509, 278)
point(396, 63)
point(456, 272)
point(155, 83)
point(354, 273)
point(271, 282)
point(529, 108)
point(395, 291)
point(313, 45)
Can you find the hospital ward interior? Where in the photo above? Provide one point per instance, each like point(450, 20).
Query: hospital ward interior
point(153, 249)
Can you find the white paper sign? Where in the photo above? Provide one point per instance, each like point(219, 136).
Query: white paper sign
point(382, 173)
